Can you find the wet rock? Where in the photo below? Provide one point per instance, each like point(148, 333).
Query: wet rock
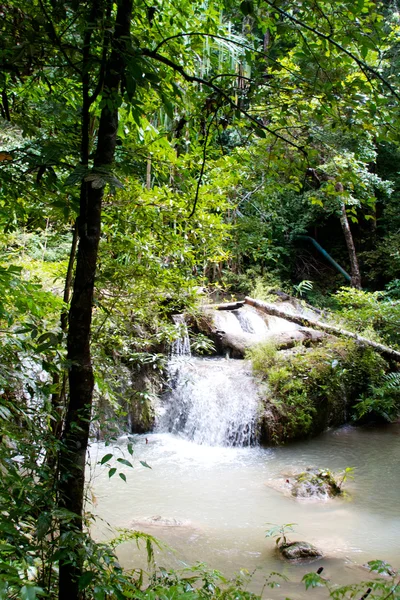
point(299, 551)
point(159, 521)
point(315, 483)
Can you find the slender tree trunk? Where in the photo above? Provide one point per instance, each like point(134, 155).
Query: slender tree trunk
point(58, 397)
point(68, 278)
point(354, 268)
point(5, 105)
point(81, 381)
point(148, 174)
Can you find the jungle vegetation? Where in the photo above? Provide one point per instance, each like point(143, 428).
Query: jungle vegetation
point(149, 149)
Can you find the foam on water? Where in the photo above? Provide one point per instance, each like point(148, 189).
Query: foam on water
point(211, 401)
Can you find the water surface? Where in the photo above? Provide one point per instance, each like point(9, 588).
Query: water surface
point(225, 500)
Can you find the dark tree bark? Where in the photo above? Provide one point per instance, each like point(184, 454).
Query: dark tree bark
point(354, 268)
point(81, 381)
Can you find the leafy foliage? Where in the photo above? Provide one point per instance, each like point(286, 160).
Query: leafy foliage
point(308, 389)
point(240, 128)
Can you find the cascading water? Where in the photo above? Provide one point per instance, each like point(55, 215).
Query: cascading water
point(181, 346)
point(211, 401)
point(251, 322)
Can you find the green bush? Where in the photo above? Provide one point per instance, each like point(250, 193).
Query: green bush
point(310, 389)
point(381, 399)
point(375, 312)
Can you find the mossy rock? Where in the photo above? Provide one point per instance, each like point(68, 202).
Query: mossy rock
point(315, 483)
point(299, 551)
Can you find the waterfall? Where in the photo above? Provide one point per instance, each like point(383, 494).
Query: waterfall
point(181, 346)
point(211, 401)
point(251, 322)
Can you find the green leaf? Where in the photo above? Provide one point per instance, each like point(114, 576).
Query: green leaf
point(99, 593)
point(313, 580)
point(144, 463)
point(260, 132)
point(125, 462)
point(76, 176)
point(85, 579)
point(43, 525)
point(30, 592)
point(123, 476)
point(106, 458)
point(130, 449)
point(112, 472)
point(4, 595)
point(5, 413)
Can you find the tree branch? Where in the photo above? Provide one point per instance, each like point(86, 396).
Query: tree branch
point(362, 64)
point(262, 54)
point(194, 79)
point(203, 165)
point(53, 35)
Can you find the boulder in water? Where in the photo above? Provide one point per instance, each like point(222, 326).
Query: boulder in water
point(315, 483)
point(299, 551)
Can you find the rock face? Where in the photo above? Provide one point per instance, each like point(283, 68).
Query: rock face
point(299, 551)
point(315, 483)
point(235, 331)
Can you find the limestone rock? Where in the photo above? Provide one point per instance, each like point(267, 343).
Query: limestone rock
point(159, 521)
point(299, 551)
point(315, 483)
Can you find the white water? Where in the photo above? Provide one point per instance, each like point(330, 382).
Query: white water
point(248, 321)
point(211, 401)
point(251, 322)
point(224, 498)
point(181, 346)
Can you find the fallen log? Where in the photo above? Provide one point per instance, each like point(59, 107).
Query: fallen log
point(270, 309)
point(225, 305)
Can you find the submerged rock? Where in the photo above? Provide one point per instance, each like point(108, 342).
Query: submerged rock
point(299, 551)
point(159, 521)
point(315, 483)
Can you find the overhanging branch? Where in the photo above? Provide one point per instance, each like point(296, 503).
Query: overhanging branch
point(208, 83)
point(362, 64)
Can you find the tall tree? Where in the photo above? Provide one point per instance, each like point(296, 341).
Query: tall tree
point(81, 381)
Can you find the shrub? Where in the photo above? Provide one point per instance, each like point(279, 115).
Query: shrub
point(310, 389)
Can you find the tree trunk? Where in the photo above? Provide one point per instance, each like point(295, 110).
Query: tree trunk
point(270, 309)
point(81, 381)
point(60, 384)
point(148, 174)
point(354, 268)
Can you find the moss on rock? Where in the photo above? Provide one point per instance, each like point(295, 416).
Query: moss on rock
point(311, 389)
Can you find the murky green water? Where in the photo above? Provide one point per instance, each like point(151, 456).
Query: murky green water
point(224, 498)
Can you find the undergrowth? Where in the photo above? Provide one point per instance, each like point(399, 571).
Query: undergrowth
point(310, 389)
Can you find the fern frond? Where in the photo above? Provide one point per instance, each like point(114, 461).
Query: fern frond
point(392, 380)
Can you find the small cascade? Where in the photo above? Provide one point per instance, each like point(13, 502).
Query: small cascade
point(181, 346)
point(226, 320)
point(211, 401)
point(251, 322)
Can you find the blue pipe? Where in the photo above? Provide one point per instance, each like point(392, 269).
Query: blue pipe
point(326, 255)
